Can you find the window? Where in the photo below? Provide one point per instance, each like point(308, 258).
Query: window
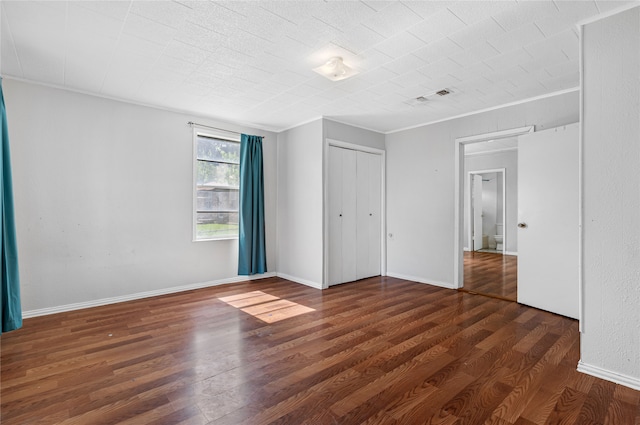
point(217, 178)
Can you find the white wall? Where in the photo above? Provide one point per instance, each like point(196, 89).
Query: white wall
point(103, 193)
point(359, 136)
point(300, 226)
point(420, 183)
point(610, 342)
point(300, 195)
point(509, 161)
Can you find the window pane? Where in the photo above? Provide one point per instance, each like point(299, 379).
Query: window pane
point(218, 200)
point(218, 150)
point(217, 174)
point(216, 225)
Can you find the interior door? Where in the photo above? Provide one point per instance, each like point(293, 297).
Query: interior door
point(368, 206)
point(548, 214)
point(477, 211)
point(342, 215)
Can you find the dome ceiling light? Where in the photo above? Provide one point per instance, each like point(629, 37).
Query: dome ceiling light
point(335, 69)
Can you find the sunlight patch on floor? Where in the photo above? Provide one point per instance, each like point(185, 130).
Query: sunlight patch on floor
point(265, 307)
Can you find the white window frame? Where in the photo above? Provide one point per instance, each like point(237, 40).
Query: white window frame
point(232, 137)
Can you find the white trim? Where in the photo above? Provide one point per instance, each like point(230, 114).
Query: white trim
point(458, 217)
point(502, 134)
point(354, 147)
point(515, 253)
point(447, 285)
point(493, 108)
point(581, 301)
point(300, 280)
point(458, 242)
point(491, 152)
point(140, 295)
point(606, 14)
point(325, 209)
point(218, 121)
point(215, 133)
point(352, 125)
point(608, 375)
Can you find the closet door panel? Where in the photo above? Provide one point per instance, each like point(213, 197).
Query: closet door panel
point(349, 219)
point(374, 247)
point(335, 219)
point(354, 215)
point(362, 203)
point(369, 218)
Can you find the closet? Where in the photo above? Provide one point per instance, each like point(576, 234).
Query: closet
point(354, 198)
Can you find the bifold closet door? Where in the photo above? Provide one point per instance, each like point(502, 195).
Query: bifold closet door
point(368, 205)
point(342, 215)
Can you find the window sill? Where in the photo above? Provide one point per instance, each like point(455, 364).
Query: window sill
point(224, 238)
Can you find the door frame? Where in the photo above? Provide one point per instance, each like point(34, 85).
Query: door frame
point(503, 172)
point(458, 231)
point(325, 204)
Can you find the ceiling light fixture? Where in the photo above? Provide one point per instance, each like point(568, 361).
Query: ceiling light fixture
point(335, 69)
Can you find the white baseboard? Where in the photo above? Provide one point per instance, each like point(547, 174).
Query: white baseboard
point(618, 378)
point(466, 249)
point(434, 282)
point(140, 295)
point(300, 280)
point(511, 253)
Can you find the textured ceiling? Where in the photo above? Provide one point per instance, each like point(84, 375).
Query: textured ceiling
point(251, 61)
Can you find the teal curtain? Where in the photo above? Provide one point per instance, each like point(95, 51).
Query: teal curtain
point(11, 309)
point(252, 258)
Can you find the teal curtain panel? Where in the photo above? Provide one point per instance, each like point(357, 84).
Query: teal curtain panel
point(11, 308)
point(252, 258)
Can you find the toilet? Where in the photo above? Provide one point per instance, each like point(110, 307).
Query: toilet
point(498, 237)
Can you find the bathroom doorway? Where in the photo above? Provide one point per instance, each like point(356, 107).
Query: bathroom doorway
point(485, 211)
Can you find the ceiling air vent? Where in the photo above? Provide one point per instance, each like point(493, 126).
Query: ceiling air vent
point(425, 97)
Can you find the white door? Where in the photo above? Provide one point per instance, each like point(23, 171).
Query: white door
point(342, 215)
point(477, 212)
point(354, 198)
point(548, 213)
point(368, 206)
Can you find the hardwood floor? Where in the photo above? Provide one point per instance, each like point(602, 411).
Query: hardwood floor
point(376, 351)
point(491, 274)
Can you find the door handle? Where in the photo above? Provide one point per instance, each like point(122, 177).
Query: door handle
point(522, 225)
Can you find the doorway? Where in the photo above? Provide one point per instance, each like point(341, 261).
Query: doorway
point(485, 210)
point(486, 261)
point(547, 224)
point(487, 270)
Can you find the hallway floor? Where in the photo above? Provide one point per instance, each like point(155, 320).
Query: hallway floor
point(491, 274)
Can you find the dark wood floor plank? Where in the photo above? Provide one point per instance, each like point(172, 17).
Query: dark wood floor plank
point(375, 351)
point(491, 274)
